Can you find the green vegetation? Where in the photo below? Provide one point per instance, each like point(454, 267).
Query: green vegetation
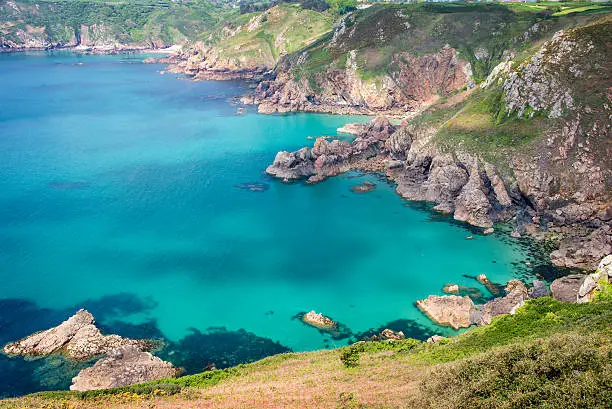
point(261, 38)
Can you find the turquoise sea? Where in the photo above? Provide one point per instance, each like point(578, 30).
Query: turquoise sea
point(128, 193)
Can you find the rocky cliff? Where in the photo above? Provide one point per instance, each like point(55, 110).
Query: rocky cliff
point(531, 145)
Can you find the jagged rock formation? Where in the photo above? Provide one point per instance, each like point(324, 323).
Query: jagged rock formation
point(532, 184)
point(582, 288)
point(516, 295)
point(126, 365)
point(332, 158)
point(77, 337)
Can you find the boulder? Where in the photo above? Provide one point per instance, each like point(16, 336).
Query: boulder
point(538, 290)
point(451, 289)
point(435, 339)
point(566, 288)
point(605, 268)
point(123, 366)
point(78, 337)
point(449, 310)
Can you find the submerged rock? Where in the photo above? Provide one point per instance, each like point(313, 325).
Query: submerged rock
point(450, 310)
point(126, 365)
point(78, 337)
point(364, 187)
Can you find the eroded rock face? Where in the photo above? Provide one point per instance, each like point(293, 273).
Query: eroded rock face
point(450, 310)
point(78, 337)
point(126, 365)
point(344, 91)
point(584, 252)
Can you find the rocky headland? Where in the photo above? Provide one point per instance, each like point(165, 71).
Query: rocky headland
point(124, 361)
point(555, 186)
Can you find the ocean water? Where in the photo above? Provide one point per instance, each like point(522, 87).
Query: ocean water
point(126, 192)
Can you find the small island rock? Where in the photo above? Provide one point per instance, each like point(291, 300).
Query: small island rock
point(392, 335)
point(318, 320)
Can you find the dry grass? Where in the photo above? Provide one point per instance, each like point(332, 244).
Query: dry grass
point(309, 381)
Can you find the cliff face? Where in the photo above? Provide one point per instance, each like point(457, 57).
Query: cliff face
point(397, 59)
point(416, 80)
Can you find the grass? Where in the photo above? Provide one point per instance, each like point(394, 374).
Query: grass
point(548, 353)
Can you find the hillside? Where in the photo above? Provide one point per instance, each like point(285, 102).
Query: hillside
point(248, 45)
point(393, 59)
point(26, 24)
point(547, 355)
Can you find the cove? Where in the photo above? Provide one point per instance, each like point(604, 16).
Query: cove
point(142, 198)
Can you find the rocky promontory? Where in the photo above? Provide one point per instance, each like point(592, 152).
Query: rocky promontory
point(77, 337)
point(124, 361)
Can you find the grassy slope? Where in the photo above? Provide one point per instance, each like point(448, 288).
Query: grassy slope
point(482, 124)
point(481, 34)
point(548, 354)
point(262, 38)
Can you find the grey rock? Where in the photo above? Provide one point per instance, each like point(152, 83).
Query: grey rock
point(516, 295)
point(538, 290)
point(123, 366)
point(566, 288)
point(584, 252)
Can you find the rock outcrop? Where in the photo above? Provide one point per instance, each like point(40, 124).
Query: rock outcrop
point(516, 295)
point(332, 158)
point(126, 365)
point(392, 335)
point(77, 337)
point(582, 288)
point(450, 310)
